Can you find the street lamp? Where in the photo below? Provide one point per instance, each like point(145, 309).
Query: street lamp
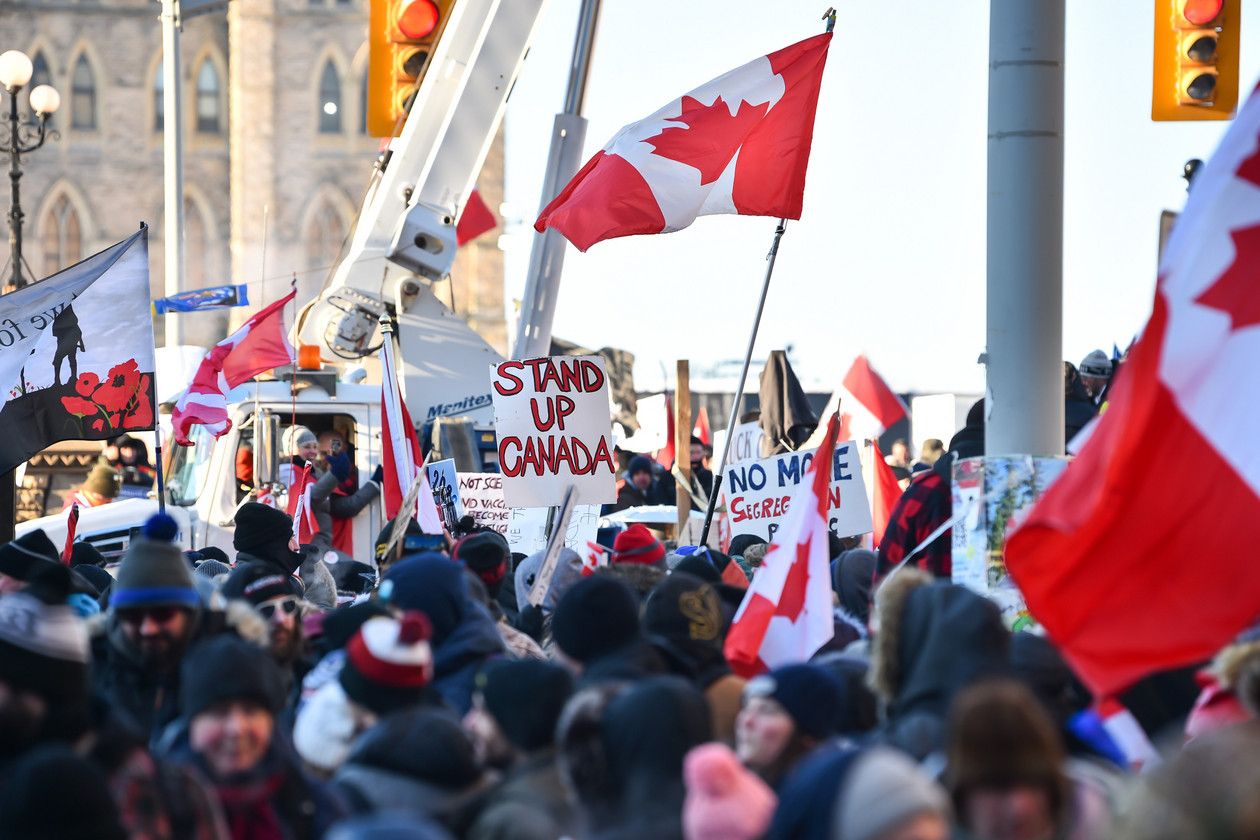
point(24, 136)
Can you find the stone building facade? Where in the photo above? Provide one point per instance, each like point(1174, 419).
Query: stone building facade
point(273, 103)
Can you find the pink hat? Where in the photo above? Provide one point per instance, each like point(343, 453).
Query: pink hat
point(724, 800)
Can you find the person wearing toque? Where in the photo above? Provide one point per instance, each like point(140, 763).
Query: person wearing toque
point(20, 559)
point(154, 614)
point(99, 488)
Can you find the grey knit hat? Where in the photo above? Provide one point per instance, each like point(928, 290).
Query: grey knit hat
point(883, 790)
point(153, 572)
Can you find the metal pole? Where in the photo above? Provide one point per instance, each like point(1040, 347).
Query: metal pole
point(15, 201)
point(546, 257)
point(173, 165)
point(743, 378)
point(1024, 319)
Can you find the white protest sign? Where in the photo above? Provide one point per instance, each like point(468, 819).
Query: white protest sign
point(760, 492)
point(551, 418)
point(445, 487)
point(481, 496)
point(745, 445)
point(527, 528)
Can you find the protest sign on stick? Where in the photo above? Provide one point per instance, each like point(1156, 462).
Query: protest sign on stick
point(759, 493)
point(554, 429)
point(555, 542)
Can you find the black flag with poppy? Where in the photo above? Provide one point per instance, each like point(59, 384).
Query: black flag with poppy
point(76, 354)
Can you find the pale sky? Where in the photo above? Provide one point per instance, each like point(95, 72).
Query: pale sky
point(889, 256)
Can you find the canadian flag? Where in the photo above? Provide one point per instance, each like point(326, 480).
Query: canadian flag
point(260, 344)
point(304, 524)
point(884, 495)
point(786, 614)
point(867, 406)
point(401, 460)
point(1138, 557)
point(739, 144)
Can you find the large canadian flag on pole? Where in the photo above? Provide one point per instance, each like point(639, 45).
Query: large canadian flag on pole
point(739, 144)
point(262, 343)
point(1139, 557)
point(786, 614)
point(401, 460)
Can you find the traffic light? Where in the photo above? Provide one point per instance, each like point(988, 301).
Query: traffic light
point(401, 37)
point(1194, 75)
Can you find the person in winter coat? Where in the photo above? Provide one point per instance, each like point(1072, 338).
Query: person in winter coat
point(264, 534)
point(860, 794)
point(330, 499)
point(931, 642)
point(387, 667)
point(925, 506)
point(1078, 406)
point(786, 714)
point(464, 634)
point(512, 724)
point(1007, 770)
point(227, 730)
point(487, 557)
point(155, 613)
point(596, 631)
point(621, 753)
point(638, 560)
point(683, 620)
point(417, 761)
point(641, 486)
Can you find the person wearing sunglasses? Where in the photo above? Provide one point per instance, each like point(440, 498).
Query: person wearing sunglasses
point(154, 614)
point(278, 599)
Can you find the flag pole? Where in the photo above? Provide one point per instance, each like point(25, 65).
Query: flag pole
point(743, 378)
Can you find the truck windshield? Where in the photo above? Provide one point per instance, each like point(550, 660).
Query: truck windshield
point(189, 466)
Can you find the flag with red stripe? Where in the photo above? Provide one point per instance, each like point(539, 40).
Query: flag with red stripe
point(262, 343)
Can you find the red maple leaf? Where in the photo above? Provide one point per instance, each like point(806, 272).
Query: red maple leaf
point(712, 136)
point(1237, 291)
point(792, 598)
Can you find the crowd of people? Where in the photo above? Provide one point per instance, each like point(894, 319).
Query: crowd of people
point(449, 688)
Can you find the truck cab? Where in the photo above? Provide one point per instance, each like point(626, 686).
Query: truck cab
point(210, 479)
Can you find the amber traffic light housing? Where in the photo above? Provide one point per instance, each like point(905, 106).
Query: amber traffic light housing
point(402, 35)
point(1194, 75)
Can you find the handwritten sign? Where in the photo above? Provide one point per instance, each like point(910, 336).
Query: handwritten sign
point(760, 492)
point(481, 495)
point(527, 528)
point(552, 419)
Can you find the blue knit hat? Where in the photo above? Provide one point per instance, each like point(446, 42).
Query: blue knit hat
point(153, 572)
point(811, 695)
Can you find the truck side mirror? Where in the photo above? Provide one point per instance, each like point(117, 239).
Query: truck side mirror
point(266, 447)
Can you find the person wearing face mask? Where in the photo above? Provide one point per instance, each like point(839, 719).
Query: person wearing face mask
point(786, 714)
point(332, 501)
point(701, 478)
point(227, 730)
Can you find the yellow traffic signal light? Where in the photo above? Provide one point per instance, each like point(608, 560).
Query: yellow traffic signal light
point(401, 38)
point(1194, 75)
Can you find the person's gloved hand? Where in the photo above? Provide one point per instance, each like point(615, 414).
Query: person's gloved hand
point(378, 474)
point(530, 622)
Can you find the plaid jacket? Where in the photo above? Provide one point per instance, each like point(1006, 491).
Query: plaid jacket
point(926, 504)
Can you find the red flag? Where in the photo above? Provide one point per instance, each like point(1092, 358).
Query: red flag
point(72, 525)
point(260, 344)
point(665, 455)
point(739, 144)
point(884, 495)
point(401, 458)
point(786, 613)
point(476, 219)
point(702, 429)
point(305, 525)
point(1136, 562)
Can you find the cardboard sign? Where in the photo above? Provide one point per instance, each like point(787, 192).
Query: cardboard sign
point(760, 492)
point(481, 496)
point(551, 417)
point(445, 486)
point(527, 528)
